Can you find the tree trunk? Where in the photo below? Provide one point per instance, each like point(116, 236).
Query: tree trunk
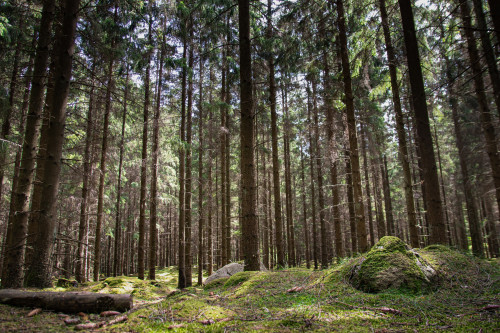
point(222, 141)
point(485, 115)
point(153, 219)
point(351, 125)
point(117, 267)
point(319, 170)
point(4, 134)
point(188, 179)
point(210, 258)
point(332, 153)
point(201, 182)
point(182, 164)
point(304, 212)
point(12, 273)
point(39, 272)
point(87, 170)
point(141, 248)
point(288, 185)
point(67, 302)
point(276, 167)
point(350, 200)
point(387, 197)
point(430, 177)
point(495, 16)
point(400, 129)
point(250, 233)
point(367, 186)
point(312, 156)
point(489, 54)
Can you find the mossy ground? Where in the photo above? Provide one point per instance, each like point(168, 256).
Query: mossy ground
point(260, 301)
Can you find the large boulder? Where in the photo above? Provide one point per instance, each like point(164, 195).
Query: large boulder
point(225, 272)
point(391, 264)
point(228, 271)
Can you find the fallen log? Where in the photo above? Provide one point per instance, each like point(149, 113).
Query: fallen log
point(67, 302)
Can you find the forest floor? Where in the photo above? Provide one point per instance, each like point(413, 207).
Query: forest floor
point(289, 300)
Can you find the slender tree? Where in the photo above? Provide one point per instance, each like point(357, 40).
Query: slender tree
point(432, 196)
point(351, 126)
point(250, 239)
point(400, 129)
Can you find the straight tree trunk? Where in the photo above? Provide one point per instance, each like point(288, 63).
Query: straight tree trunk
point(39, 272)
point(367, 186)
point(304, 212)
point(222, 139)
point(321, 199)
point(12, 272)
point(210, 184)
point(201, 182)
point(265, 207)
point(387, 197)
point(250, 233)
point(332, 154)
point(87, 170)
point(188, 179)
point(489, 54)
point(429, 169)
point(350, 200)
point(312, 156)
point(495, 16)
point(278, 228)
point(24, 110)
point(485, 115)
point(153, 215)
point(182, 164)
point(117, 267)
point(446, 215)
point(36, 196)
point(141, 248)
point(227, 101)
point(351, 125)
point(5, 131)
point(400, 129)
point(288, 185)
point(102, 173)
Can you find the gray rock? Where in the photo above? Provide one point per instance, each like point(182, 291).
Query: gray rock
point(225, 272)
point(228, 271)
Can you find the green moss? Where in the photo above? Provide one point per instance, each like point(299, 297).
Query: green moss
point(114, 281)
point(390, 244)
point(438, 248)
point(239, 278)
point(381, 271)
point(390, 264)
point(216, 283)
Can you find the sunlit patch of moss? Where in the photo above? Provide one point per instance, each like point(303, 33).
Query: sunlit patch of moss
point(239, 278)
point(390, 244)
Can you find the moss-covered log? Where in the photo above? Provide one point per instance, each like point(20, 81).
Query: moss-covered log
point(68, 302)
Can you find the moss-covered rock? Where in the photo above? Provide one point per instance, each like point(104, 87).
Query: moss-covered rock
point(391, 264)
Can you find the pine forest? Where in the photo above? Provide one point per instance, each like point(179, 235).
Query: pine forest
point(240, 166)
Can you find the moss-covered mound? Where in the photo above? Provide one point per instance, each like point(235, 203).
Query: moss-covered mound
point(391, 264)
point(461, 271)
